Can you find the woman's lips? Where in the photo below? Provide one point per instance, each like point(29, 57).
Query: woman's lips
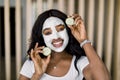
point(57, 43)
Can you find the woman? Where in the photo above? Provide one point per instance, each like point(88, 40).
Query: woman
point(72, 56)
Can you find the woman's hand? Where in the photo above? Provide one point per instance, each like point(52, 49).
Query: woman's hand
point(39, 63)
point(78, 29)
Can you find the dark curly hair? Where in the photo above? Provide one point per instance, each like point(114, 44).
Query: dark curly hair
point(73, 46)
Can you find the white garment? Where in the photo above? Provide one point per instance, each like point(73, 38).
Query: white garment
point(28, 70)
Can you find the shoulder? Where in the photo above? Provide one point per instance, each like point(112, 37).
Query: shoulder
point(27, 68)
point(28, 63)
point(82, 62)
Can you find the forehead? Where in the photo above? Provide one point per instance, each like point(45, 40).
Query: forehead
point(52, 22)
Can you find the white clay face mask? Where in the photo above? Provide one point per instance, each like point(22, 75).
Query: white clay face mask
point(56, 40)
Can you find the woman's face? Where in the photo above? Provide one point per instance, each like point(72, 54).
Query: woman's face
point(55, 34)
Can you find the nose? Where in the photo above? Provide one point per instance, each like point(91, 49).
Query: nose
point(56, 35)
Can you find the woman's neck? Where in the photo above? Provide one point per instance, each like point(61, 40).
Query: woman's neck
point(59, 55)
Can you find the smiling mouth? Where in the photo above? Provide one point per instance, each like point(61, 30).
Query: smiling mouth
point(57, 43)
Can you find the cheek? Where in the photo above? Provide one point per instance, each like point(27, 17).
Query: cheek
point(63, 34)
point(47, 38)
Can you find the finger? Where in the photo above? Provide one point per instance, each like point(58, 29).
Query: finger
point(37, 52)
point(40, 48)
point(48, 59)
point(69, 16)
point(78, 23)
point(81, 26)
point(36, 45)
point(31, 54)
point(75, 16)
point(77, 19)
point(71, 27)
point(37, 56)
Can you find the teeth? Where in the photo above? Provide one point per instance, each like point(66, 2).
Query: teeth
point(58, 42)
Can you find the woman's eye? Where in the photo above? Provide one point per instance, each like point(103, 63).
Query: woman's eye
point(47, 33)
point(60, 28)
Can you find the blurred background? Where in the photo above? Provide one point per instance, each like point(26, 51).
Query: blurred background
point(101, 17)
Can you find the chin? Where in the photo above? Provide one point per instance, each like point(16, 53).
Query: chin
point(59, 49)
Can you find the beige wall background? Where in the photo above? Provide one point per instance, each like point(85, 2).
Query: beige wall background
point(101, 17)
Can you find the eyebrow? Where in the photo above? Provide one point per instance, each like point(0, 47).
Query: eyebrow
point(46, 29)
point(49, 28)
point(59, 25)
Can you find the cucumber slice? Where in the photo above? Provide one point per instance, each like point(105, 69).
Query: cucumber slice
point(46, 51)
point(69, 21)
